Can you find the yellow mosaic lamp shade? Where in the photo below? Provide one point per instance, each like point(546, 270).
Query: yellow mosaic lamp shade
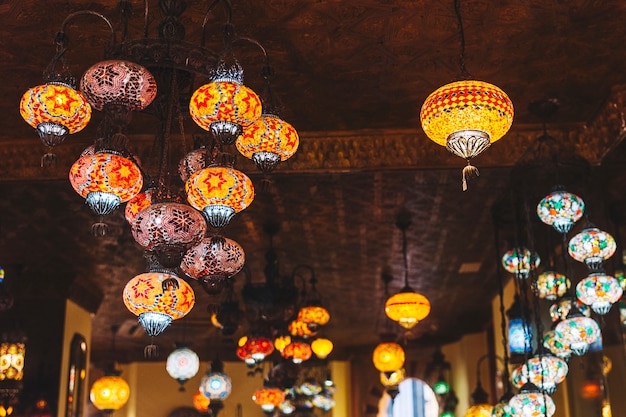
point(105, 180)
point(268, 141)
point(314, 316)
point(479, 410)
point(219, 192)
point(268, 398)
point(297, 351)
point(157, 299)
point(138, 203)
point(300, 328)
point(322, 347)
point(109, 393)
point(388, 357)
point(407, 308)
point(281, 342)
point(12, 361)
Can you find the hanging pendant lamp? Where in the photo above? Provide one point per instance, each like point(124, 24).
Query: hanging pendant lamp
point(561, 210)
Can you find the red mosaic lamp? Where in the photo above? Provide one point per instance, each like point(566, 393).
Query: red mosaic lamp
point(297, 351)
point(268, 398)
point(109, 393)
point(254, 349)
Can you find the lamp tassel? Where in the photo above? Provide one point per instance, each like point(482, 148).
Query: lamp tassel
point(467, 171)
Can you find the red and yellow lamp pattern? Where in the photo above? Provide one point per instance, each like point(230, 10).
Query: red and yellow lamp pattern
point(254, 349)
point(314, 316)
point(138, 203)
point(407, 308)
point(297, 351)
point(388, 357)
point(109, 393)
point(268, 398)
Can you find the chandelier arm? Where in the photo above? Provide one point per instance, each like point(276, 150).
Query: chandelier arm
point(229, 15)
point(92, 13)
point(457, 9)
point(145, 18)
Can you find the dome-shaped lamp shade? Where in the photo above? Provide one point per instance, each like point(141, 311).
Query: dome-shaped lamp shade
point(314, 316)
point(109, 393)
point(281, 342)
point(520, 261)
point(555, 346)
point(216, 257)
point(388, 357)
point(55, 110)
point(479, 410)
point(407, 308)
point(560, 310)
point(158, 298)
point(105, 180)
point(138, 203)
point(592, 246)
point(392, 379)
point(219, 192)
point(268, 398)
point(12, 361)
point(531, 404)
point(254, 349)
point(322, 347)
point(543, 371)
point(182, 364)
point(561, 210)
point(268, 141)
point(551, 285)
point(122, 83)
point(578, 333)
point(297, 352)
point(600, 291)
point(201, 402)
point(216, 386)
point(300, 328)
point(224, 107)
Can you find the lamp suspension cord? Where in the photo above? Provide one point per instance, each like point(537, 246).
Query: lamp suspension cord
point(457, 9)
point(406, 258)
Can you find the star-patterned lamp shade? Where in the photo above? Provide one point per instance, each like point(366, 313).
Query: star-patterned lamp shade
point(182, 364)
point(301, 329)
point(531, 403)
point(560, 310)
point(268, 141)
point(117, 82)
point(388, 357)
point(157, 299)
point(577, 332)
point(254, 349)
point(225, 106)
point(216, 385)
point(600, 291)
point(551, 285)
point(520, 261)
point(109, 393)
point(201, 402)
point(297, 351)
point(55, 110)
point(322, 347)
point(268, 398)
point(479, 410)
point(407, 308)
point(555, 346)
point(592, 246)
point(543, 371)
point(105, 180)
point(314, 316)
point(561, 210)
point(219, 192)
point(138, 203)
point(392, 379)
point(12, 361)
point(214, 258)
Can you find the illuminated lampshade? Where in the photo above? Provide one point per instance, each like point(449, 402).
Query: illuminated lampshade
point(600, 291)
point(109, 393)
point(447, 413)
point(407, 307)
point(323, 402)
point(551, 285)
point(520, 261)
point(479, 410)
point(216, 385)
point(268, 141)
point(561, 210)
point(216, 258)
point(577, 332)
point(520, 335)
point(297, 351)
point(137, 204)
point(281, 341)
point(116, 82)
point(531, 403)
point(517, 377)
point(12, 361)
point(219, 192)
point(560, 310)
point(543, 371)
point(225, 106)
point(441, 387)
point(466, 117)
point(314, 316)
point(55, 110)
point(158, 298)
point(200, 402)
point(309, 387)
point(254, 349)
point(287, 407)
point(105, 180)
point(182, 364)
point(301, 329)
point(502, 408)
point(168, 229)
point(388, 357)
point(194, 161)
point(268, 398)
point(392, 379)
point(592, 246)
point(555, 346)
point(322, 347)
point(620, 277)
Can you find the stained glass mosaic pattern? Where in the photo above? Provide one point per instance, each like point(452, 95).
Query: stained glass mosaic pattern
point(600, 291)
point(388, 357)
point(168, 224)
point(215, 256)
point(592, 246)
point(561, 210)
point(551, 285)
point(520, 261)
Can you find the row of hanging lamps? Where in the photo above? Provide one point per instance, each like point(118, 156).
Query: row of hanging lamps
point(520, 262)
point(466, 116)
point(561, 210)
point(182, 364)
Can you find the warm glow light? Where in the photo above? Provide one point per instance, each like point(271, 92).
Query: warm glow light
point(214, 256)
point(12, 361)
point(297, 351)
point(392, 379)
point(268, 398)
point(109, 393)
point(137, 204)
point(322, 347)
point(592, 246)
point(551, 285)
point(561, 210)
point(314, 316)
point(479, 410)
point(388, 357)
point(600, 291)
point(407, 308)
point(281, 341)
point(201, 402)
point(520, 261)
point(300, 328)
point(254, 349)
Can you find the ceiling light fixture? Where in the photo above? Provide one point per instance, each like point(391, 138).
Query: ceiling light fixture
point(182, 364)
point(520, 262)
point(561, 209)
point(592, 246)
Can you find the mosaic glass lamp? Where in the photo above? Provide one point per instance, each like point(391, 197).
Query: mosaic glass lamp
point(322, 347)
point(592, 246)
point(216, 385)
point(520, 261)
point(12, 356)
point(281, 341)
point(137, 204)
point(600, 291)
point(254, 349)
point(551, 285)
point(530, 402)
point(577, 332)
point(182, 364)
point(561, 210)
point(560, 309)
point(297, 351)
point(268, 398)
point(301, 329)
point(109, 393)
point(225, 106)
point(543, 371)
point(407, 307)
point(200, 402)
point(213, 260)
point(555, 346)
point(466, 117)
point(392, 379)
point(388, 357)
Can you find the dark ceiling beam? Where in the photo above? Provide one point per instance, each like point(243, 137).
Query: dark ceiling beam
point(349, 151)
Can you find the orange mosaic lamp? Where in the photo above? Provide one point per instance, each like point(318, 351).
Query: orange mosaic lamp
point(157, 299)
point(219, 192)
point(225, 106)
point(254, 349)
point(467, 117)
point(407, 307)
point(322, 347)
point(55, 110)
point(300, 328)
point(314, 316)
point(281, 342)
point(297, 351)
point(201, 402)
point(105, 180)
point(388, 357)
point(138, 203)
point(268, 398)
point(268, 141)
point(12, 361)
point(109, 393)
